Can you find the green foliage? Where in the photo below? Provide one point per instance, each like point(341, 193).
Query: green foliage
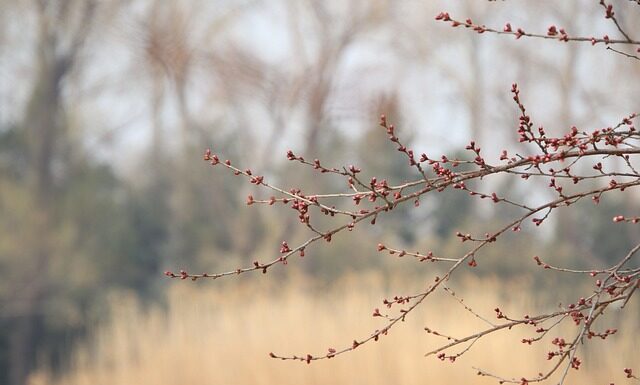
point(100, 237)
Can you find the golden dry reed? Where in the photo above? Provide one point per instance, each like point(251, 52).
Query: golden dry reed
point(221, 333)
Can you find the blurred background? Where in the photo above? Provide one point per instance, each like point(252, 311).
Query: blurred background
point(107, 106)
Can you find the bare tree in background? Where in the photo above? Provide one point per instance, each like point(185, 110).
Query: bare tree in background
point(62, 29)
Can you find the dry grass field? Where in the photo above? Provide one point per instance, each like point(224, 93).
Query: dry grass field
point(222, 332)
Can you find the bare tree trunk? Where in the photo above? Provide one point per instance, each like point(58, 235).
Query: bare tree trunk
point(42, 127)
point(567, 228)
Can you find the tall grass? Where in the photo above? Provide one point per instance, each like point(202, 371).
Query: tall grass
point(221, 333)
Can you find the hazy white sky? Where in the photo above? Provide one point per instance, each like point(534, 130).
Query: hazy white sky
point(405, 52)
